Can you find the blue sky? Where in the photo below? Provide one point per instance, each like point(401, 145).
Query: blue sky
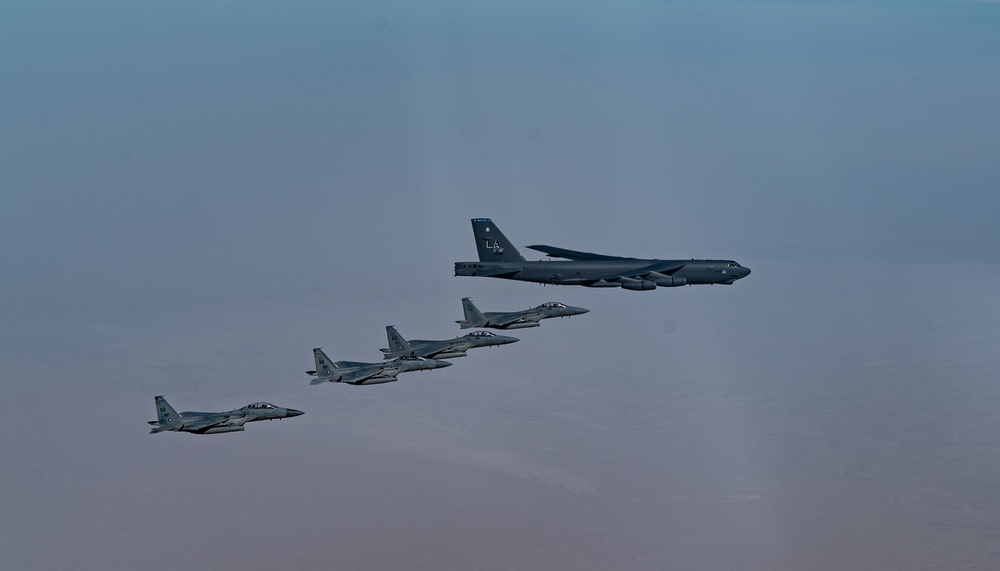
point(197, 194)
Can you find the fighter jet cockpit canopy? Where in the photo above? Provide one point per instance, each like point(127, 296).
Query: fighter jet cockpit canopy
point(481, 334)
point(554, 305)
point(261, 405)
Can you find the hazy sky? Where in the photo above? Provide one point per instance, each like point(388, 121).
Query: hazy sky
point(195, 194)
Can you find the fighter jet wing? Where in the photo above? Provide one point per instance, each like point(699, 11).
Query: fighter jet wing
point(206, 422)
point(554, 252)
point(368, 373)
point(503, 321)
point(432, 351)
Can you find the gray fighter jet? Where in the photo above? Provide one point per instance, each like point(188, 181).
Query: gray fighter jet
point(447, 349)
point(167, 419)
point(499, 259)
point(515, 319)
point(355, 373)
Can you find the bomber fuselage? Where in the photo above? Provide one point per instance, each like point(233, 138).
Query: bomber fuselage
point(595, 273)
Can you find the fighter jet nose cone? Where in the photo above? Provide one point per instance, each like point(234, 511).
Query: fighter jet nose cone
point(442, 364)
point(290, 412)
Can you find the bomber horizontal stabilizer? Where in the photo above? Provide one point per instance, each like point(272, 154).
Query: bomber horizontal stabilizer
point(554, 252)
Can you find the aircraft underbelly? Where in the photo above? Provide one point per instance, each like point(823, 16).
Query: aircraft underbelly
point(375, 381)
point(522, 325)
point(221, 429)
point(450, 354)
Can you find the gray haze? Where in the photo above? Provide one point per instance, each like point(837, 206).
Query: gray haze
point(195, 194)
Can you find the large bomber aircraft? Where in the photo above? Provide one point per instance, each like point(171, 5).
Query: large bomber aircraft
point(168, 420)
point(355, 373)
point(515, 319)
point(445, 349)
point(498, 258)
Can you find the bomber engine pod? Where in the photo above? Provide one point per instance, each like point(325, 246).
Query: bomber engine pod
point(637, 285)
point(666, 281)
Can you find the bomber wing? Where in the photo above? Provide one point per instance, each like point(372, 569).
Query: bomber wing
point(553, 252)
point(667, 268)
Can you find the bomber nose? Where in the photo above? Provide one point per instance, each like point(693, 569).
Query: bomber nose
point(290, 412)
point(746, 271)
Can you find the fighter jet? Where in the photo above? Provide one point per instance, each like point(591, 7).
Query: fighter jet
point(167, 419)
point(515, 319)
point(447, 349)
point(499, 259)
point(355, 373)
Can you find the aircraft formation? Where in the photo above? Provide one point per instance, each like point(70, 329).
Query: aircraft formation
point(498, 258)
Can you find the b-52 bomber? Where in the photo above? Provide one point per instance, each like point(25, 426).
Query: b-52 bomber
point(515, 319)
point(355, 373)
point(446, 349)
point(498, 258)
point(214, 422)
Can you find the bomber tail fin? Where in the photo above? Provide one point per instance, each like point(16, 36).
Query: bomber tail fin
point(473, 317)
point(493, 246)
point(398, 346)
point(166, 417)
